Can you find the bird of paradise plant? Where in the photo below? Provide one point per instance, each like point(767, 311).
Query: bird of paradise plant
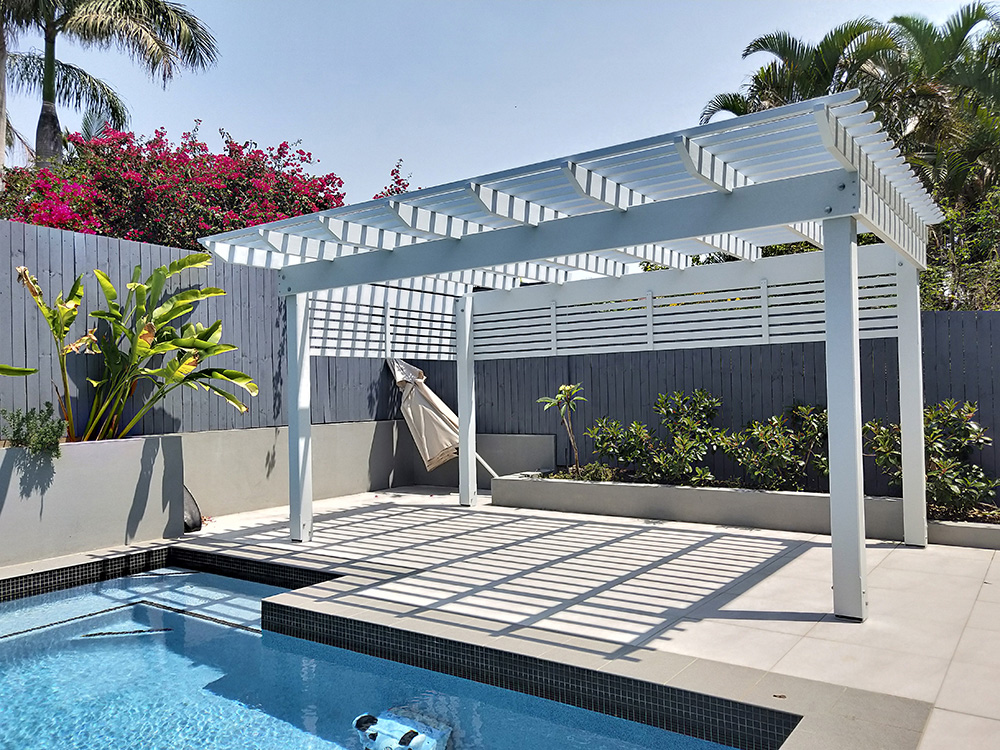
point(139, 332)
point(60, 318)
point(138, 335)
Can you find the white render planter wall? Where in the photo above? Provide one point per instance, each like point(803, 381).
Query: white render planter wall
point(807, 512)
point(94, 495)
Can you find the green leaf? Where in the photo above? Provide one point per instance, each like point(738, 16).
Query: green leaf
point(233, 376)
point(164, 312)
point(156, 281)
point(110, 293)
point(226, 395)
point(194, 260)
point(14, 372)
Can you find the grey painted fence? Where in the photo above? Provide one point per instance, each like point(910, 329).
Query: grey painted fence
point(961, 359)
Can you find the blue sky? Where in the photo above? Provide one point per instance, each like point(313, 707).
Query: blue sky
point(456, 88)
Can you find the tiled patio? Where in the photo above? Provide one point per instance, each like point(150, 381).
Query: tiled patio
point(733, 612)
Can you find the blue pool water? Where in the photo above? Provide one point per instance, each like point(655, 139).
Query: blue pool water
point(92, 669)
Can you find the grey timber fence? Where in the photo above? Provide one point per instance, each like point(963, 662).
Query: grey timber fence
point(961, 360)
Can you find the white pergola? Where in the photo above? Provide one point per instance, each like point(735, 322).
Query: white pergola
point(452, 272)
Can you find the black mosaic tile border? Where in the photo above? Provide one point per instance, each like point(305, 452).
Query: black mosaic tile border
point(727, 722)
point(94, 571)
point(233, 566)
point(144, 561)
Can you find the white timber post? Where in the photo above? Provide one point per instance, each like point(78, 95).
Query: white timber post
point(300, 497)
point(466, 401)
point(911, 406)
point(843, 389)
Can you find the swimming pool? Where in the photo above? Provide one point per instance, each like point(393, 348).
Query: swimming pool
point(172, 660)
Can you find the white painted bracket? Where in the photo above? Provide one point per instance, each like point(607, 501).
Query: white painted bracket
point(602, 189)
point(508, 206)
point(707, 167)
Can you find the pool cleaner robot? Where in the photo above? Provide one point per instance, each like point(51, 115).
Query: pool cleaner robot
point(391, 731)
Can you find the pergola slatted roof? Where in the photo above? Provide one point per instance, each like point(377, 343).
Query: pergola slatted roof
point(835, 132)
point(443, 273)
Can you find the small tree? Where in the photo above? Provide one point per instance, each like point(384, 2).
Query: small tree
point(566, 400)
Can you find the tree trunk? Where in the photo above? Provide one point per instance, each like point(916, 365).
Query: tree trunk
point(48, 136)
point(3, 100)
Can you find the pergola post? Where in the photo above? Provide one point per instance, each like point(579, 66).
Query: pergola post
point(911, 406)
point(300, 495)
point(843, 388)
point(466, 402)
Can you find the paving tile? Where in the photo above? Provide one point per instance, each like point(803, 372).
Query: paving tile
point(717, 678)
point(832, 732)
point(941, 560)
point(990, 592)
point(779, 602)
point(914, 604)
point(979, 647)
point(985, 616)
point(883, 709)
point(648, 664)
point(971, 689)
point(928, 584)
point(908, 634)
point(816, 560)
point(706, 639)
point(866, 668)
point(794, 694)
point(948, 730)
point(993, 574)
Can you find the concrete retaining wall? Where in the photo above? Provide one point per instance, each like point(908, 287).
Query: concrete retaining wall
point(95, 495)
point(784, 511)
point(128, 491)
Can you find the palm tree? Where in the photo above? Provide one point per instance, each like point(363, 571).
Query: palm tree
point(15, 15)
point(160, 35)
point(941, 101)
point(842, 60)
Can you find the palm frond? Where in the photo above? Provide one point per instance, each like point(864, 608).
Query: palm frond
point(787, 48)
point(734, 103)
point(75, 87)
point(161, 35)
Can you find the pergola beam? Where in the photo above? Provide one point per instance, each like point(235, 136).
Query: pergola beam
point(805, 198)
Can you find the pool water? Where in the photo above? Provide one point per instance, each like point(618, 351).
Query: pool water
point(96, 669)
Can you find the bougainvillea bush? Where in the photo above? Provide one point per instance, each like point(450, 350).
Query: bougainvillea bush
point(152, 190)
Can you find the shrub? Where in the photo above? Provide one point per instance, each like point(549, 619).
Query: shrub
point(954, 483)
point(780, 452)
point(36, 430)
point(686, 421)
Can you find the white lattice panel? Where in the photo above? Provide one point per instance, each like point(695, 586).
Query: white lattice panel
point(353, 323)
point(775, 300)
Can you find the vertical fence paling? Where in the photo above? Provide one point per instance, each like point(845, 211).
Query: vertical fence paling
point(961, 359)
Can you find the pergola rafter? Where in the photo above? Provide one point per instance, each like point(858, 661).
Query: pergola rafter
point(443, 272)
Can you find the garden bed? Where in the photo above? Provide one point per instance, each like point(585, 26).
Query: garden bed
point(807, 512)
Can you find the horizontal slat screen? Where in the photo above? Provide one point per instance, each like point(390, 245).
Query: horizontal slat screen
point(686, 310)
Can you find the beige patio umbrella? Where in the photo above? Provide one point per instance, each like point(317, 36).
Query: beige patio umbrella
point(432, 424)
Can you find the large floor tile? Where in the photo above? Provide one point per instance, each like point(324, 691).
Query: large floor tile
point(979, 647)
point(947, 730)
point(927, 583)
point(971, 689)
point(941, 560)
point(706, 639)
point(909, 635)
point(865, 668)
point(832, 732)
point(985, 616)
